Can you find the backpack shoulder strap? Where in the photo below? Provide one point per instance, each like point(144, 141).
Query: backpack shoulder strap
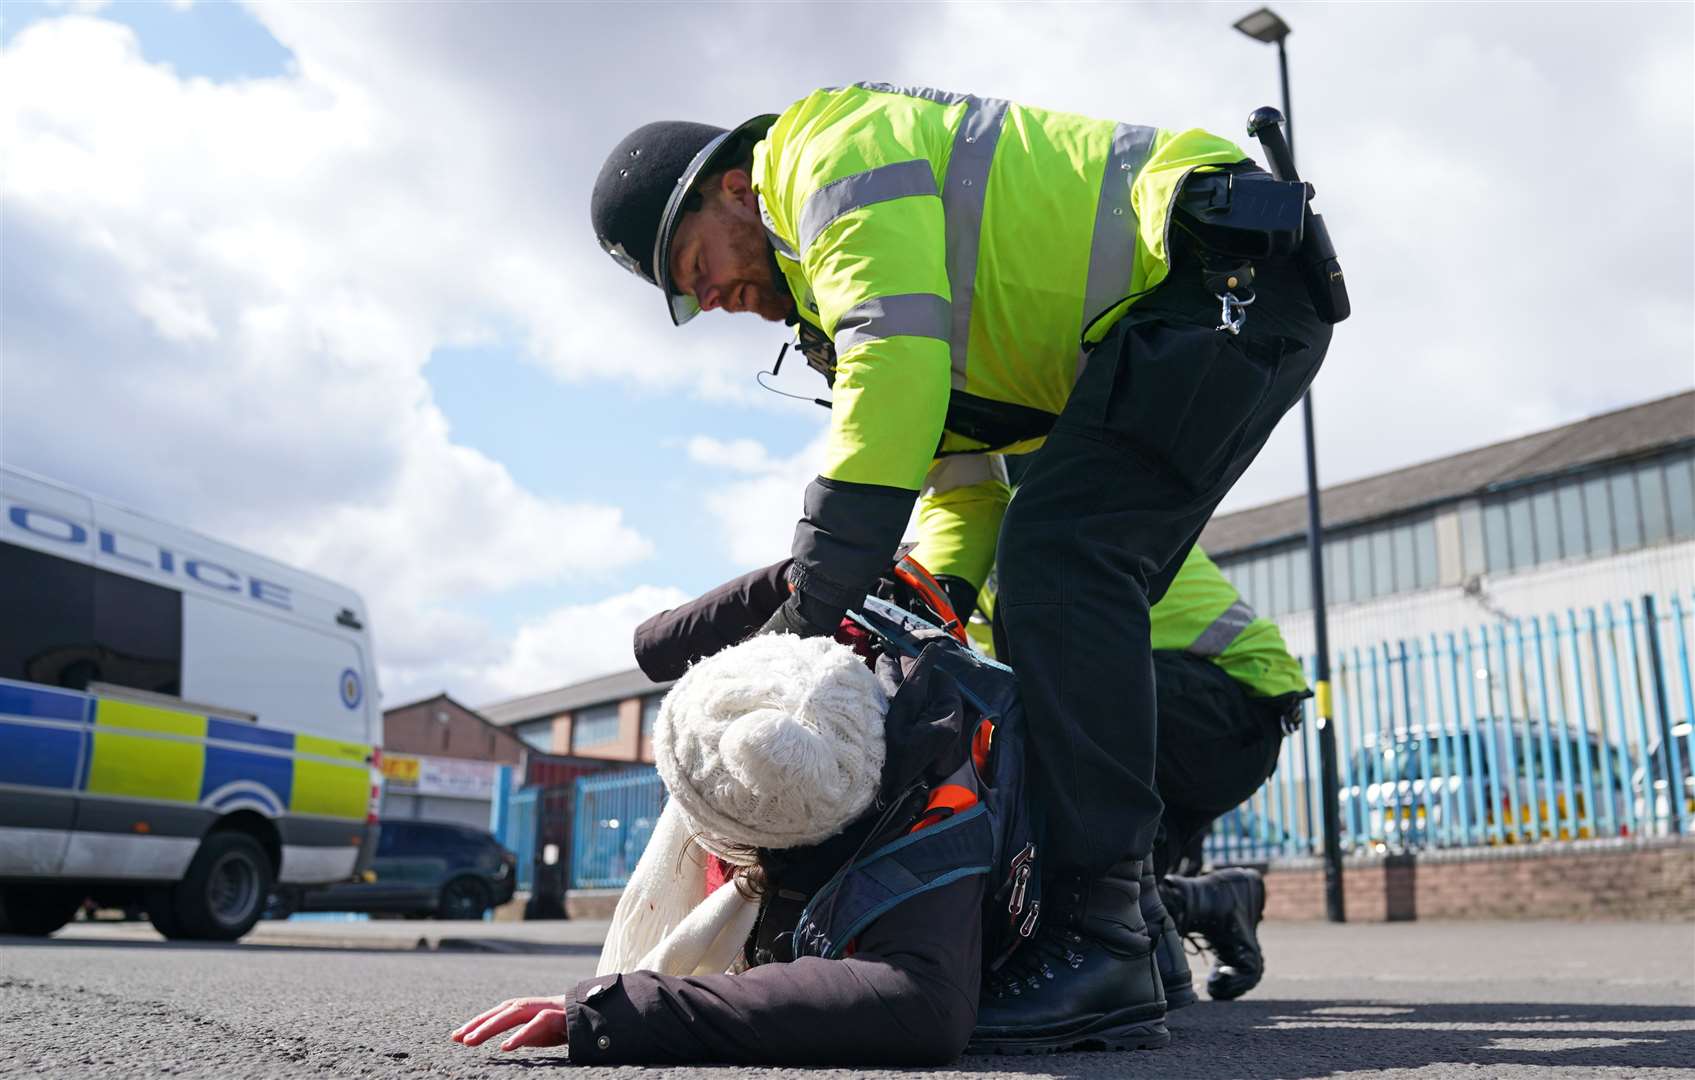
point(957, 847)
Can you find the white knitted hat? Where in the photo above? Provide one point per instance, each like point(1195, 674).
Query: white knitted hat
point(773, 743)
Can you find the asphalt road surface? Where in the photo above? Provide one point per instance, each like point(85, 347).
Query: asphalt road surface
point(1534, 1000)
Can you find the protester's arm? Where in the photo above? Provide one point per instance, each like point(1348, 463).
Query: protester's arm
point(907, 997)
point(670, 641)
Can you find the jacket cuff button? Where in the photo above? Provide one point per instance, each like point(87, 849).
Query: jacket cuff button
point(604, 1042)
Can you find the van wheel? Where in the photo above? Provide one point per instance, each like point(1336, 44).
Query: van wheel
point(462, 898)
point(37, 910)
point(224, 892)
point(162, 913)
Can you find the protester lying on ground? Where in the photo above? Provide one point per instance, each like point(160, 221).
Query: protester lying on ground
point(784, 761)
point(1227, 691)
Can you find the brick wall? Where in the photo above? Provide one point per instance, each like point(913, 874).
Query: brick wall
point(441, 727)
point(1597, 879)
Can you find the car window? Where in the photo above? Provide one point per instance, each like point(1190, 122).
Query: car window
point(394, 840)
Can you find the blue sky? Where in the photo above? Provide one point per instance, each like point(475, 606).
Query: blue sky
point(592, 439)
point(212, 39)
point(318, 278)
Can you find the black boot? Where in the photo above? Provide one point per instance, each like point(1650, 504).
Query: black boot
point(1225, 908)
point(1174, 972)
point(1087, 980)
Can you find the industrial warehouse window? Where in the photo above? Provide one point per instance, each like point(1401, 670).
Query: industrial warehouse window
point(594, 726)
point(1650, 502)
point(537, 734)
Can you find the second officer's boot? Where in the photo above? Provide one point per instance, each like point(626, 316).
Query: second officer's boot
point(1087, 980)
point(1225, 908)
point(1174, 972)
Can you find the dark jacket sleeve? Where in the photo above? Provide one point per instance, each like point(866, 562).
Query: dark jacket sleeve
point(907, 997)
point(670, 641)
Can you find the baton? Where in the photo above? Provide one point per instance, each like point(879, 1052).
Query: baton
point(1316, 258)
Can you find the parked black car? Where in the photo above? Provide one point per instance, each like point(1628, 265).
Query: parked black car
point(422, 868)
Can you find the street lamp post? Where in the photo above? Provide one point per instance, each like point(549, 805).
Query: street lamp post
point(1264, 25)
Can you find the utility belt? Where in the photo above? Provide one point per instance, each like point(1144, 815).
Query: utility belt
point(1240, 216)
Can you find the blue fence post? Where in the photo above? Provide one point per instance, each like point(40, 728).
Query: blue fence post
point(1507, 773)
point(1527, 737)
point(1345, 687)
point(1418, 790)
point(1683, 662)
point(1447, 749)
point(1670, 753)
point(1651, 808)
point(1554, 809)
point(1612, 820)
point(1374, 759)
point(1451, 708)
point(499, 813)
point(1617, 682)
point(1584, 738)
point(1484, 811)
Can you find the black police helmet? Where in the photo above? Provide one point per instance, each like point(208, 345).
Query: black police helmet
point(643, 191)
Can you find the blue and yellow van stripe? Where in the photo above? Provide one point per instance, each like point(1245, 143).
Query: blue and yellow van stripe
point(67, 741)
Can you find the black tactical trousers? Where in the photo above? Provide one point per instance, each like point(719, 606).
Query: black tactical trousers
point(1167, 415)
point(1217, 745)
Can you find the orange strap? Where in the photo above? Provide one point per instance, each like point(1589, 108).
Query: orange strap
point(954, 797)
point(912, 572)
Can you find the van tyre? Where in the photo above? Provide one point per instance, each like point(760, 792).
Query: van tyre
point(37, 910)
point(162, 913)
point(224, 892)
point(463, 898)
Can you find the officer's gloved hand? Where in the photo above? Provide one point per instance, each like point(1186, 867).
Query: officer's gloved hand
point(804, 616)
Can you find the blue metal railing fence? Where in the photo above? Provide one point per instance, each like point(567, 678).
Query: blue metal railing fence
point(1566, 726)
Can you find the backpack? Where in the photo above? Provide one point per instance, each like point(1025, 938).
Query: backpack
point(978, 819)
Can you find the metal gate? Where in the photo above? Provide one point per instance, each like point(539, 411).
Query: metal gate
point(615, 817)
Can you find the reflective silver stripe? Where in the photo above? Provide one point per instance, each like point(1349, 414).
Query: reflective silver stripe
point(962, 470)
point(903, 315)
point(885, 182)
point(962, 208)
point(1224, 629)
point(1112, 250)
point(940, 97)
point(777, 240)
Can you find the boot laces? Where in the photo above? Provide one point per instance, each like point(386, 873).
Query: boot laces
point(1034, 965)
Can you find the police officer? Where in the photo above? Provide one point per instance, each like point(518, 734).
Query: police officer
point(1228, 690)
point(982, 275)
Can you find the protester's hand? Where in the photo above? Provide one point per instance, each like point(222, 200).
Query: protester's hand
point(543, 1020)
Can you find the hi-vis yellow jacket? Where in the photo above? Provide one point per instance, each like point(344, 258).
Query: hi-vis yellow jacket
point(960, 252)
point(1201, 614)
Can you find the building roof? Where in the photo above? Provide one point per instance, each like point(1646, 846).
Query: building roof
point(1623, 433)
point(443, 696)
point(598, 691)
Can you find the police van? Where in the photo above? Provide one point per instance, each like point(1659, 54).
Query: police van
point(183, 724)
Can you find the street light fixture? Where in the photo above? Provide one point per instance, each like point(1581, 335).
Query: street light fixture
point(1265, 25)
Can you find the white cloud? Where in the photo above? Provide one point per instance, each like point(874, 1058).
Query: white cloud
point(574, 643)
point(737, 455)
point(756, 513)
point(219, 300)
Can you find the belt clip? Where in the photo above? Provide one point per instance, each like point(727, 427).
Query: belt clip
point(1232, 312)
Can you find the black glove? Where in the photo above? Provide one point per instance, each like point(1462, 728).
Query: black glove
point(803, 616)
